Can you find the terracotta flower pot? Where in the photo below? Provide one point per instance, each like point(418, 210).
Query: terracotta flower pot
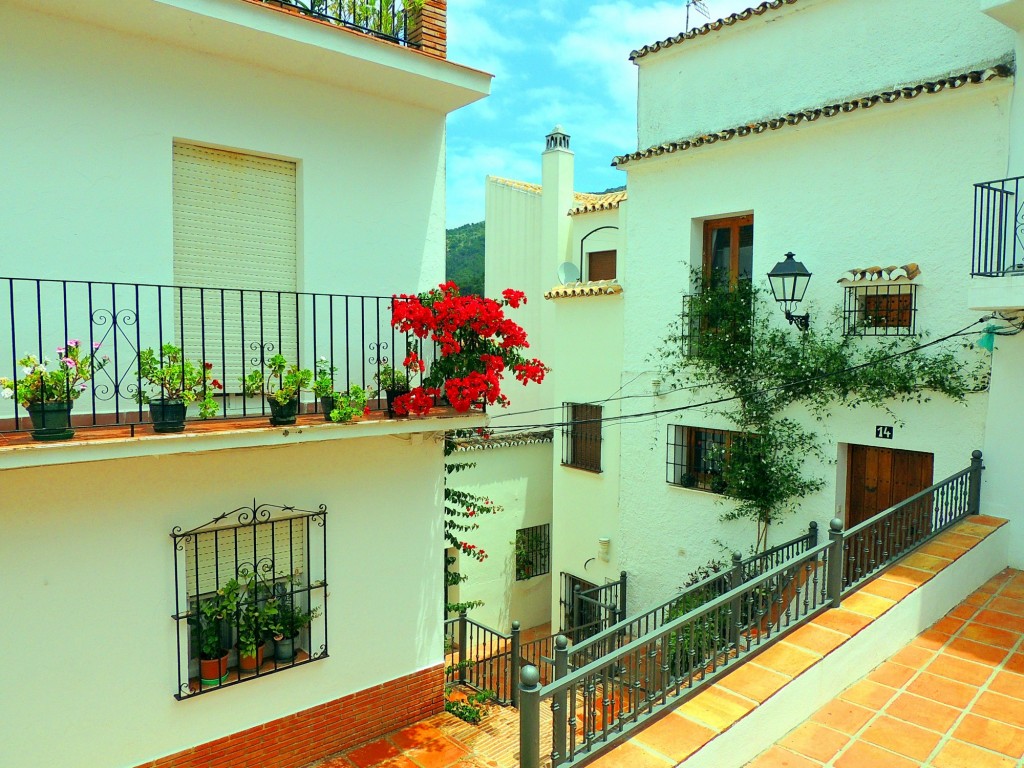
point(213, 671)
point(251, 663)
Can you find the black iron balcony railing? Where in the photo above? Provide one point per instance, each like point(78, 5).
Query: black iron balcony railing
point(998, 238)
point(234, 331)
point(386, 19)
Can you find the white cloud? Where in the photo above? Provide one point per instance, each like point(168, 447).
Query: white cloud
point(468, 168)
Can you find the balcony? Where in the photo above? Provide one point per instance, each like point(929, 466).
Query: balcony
point(229, 331)
point(998, 246)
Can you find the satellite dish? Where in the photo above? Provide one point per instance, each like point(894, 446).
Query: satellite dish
point(568, 273)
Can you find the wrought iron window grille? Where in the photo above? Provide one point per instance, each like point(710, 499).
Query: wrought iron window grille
point(888, 309)
point(581, 436)
point(533, 551)
point(696, 457)
point(701, 320)
point(250, 592)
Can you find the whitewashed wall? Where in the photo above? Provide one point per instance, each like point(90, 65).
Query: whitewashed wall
point(813, 53)
point(88, 561)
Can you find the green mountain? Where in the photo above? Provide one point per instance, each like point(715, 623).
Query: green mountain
point(464, 262)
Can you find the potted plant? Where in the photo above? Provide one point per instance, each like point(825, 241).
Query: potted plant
point(323, 386)
point(291, 620)
point(176, 383)
point(349, 405)
point(208, 626)
point(281, 385)
point(257, 612)
point(393, 383)
point(48, 394)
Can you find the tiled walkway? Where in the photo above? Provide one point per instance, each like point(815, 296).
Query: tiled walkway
point(953, 698)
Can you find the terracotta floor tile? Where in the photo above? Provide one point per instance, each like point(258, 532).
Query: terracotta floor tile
point(972, 529)
point(843, 716)
point(963, 670)
point(893, 675)
point(913, 656)
point(864, 755)
point(777, 757)
point(815, 741)
point(717, 707)
point(1002, 620)
point(941, 549)
point(949, 625)
point(1000, 707)
point(817, 640)
point(373, 753)
point(629, 755)
point(968, 649)
point(963, 611)
point(942, 689)
point(754, 681)
point(416, 735)
point(786, 659)
point(991, 734)
point(842, 620)
point(992, 522)
point(983, 633)
point(893, 590)
point(957, 539)
point(675, 736)
point(1015, 663)
point(869, 694)
point(869, 605)
point(979, 598)
point(1009, 684)
point(923, 712)
point(901, 737)
point(924, 562)
point(403, 762)
point(932, 639)
point(906, 575)
point(1008, 605)
point(956, 754)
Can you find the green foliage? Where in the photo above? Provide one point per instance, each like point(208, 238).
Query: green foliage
point(210, 618)
point(730, 346)
point(257, 612)
point(280, 381)
point(393, 379)
point(471, 710)
point(691, 647)
point(465, 258)
point(177, 378)
point(64, 383)
point(349, 404)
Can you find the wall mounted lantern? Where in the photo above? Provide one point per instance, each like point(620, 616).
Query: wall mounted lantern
point(789, 279)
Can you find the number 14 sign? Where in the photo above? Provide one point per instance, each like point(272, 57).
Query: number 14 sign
point(883, 433)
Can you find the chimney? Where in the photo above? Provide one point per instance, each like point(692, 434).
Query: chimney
point(428, 28)
point(557, 171)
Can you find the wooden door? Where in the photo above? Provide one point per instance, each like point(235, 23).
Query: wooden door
point(878, 478)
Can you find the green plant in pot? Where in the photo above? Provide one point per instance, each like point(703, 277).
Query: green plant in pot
point(172, 383)
point(280, 383)
point(323, 386)
point(393, 383)
point(257, 614)
point(350, 404)
point(291, 620)
point(48, 393)
point(209, 623)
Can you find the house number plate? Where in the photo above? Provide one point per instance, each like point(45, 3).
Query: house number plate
point(883, 433)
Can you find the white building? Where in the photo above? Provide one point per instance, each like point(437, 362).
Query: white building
point(290, 171)
point(795, 128)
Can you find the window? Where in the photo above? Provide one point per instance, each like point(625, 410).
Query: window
point(728, 251)
point(696, 457)
point(601, 265)
point(533, 551)
point(250, 596)
point(581, 437)
point(889, 309)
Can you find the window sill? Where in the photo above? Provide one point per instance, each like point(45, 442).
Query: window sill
point(583, 469)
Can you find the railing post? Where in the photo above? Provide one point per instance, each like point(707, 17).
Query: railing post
point(559, 702)
point(735, 582)
point(576, 611)
point(974, 487)
point(812, 535)
point(529, 717)
point(835, 562)
point(514, 665)
point(622, 596)
point(463, 642)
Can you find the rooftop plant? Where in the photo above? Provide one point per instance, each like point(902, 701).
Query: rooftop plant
point(175, 377)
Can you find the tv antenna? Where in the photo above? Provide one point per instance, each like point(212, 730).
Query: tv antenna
point(700, 7)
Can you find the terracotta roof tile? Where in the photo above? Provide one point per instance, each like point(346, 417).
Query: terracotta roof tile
point(582, 199)
point(592, 288)
point(487, 441)
point(712, 26)
point(523, 186)
point(870, 274)
point(588, 203)
point(951, 82)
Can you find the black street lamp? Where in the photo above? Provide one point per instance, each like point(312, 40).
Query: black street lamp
point(789, 279)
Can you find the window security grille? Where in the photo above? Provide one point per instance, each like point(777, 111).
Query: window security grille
point(581, 436)
point(880, 310)
point(533, 551)
point(250, 595)
point(696, 457)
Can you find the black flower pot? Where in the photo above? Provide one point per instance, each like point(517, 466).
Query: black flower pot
point(282, 415)
point(327, 405)
point(167, 414)
point(51, 421)
point(391, 395)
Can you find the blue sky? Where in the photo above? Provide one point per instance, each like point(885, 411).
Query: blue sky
point(553, 61)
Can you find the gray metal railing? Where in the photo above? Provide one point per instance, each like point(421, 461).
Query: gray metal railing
point(998, 236)
point(482, 658)
point(599, 703)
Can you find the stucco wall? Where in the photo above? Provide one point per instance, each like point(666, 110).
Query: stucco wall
point(87, 160)
point(518, 478)
point(862, 189)
point(813, 53)
point(88, 558)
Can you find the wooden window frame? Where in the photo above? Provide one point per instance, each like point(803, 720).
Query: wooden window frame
point(733, 223)
point(684, 440)
point(611, 255)
point(581, 443)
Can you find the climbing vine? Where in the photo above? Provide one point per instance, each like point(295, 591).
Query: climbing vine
point(728, 345)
